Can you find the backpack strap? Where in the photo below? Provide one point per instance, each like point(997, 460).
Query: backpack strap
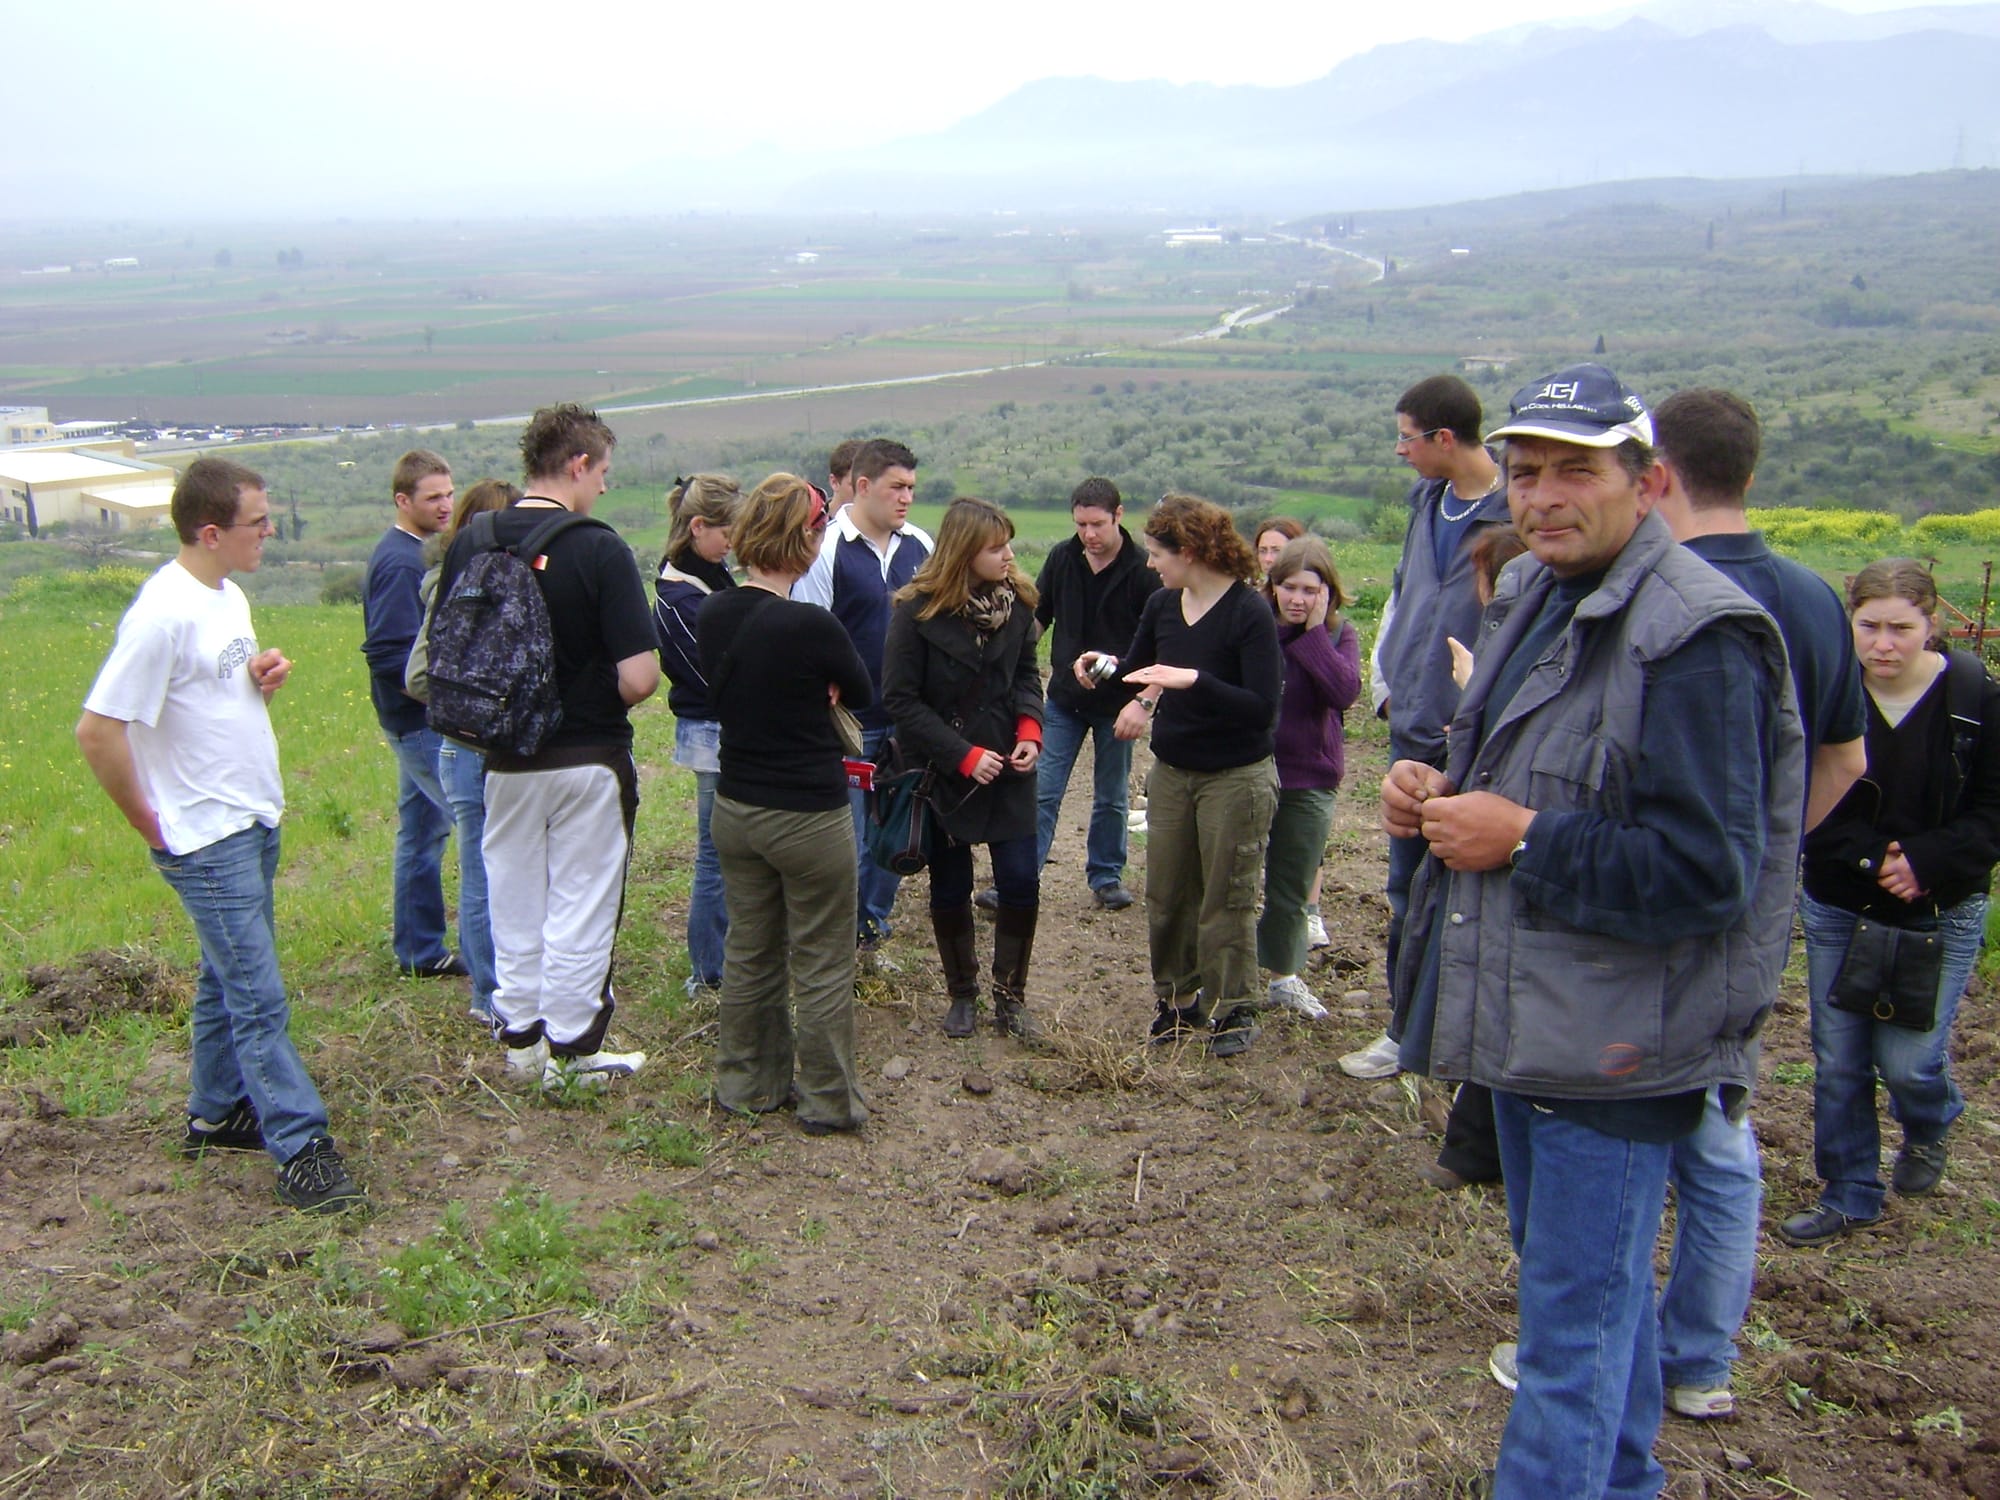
point(536, 542)
point(1964, 685)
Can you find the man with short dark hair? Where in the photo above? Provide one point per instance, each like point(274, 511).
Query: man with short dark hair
point(393, 613)
point(1093, 586)
point(870, 551)
point(1458, 492)
point(1598, 929)
point(840, 472)
point(1708, 443)
point(559, 822)
point(177, 732)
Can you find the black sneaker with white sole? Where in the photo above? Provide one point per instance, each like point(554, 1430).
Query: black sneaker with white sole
point(448, 966)
point(1234, 1032)
point(316, 1180)
point(236, 1131)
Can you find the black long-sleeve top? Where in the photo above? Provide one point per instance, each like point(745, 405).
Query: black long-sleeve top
point(1227, 718)
point(769, 662)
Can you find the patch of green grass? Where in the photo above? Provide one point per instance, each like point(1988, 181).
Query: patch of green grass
point(1793, 1074)
point(530, 1257)
point(666, 1142)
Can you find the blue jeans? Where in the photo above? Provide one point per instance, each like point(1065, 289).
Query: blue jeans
point(874, 887)
point(462, 774)
point(423, 823)
point(242, 1042)
point(1851, 1051)
point(1718, 1191)
point(1584, 1209)
point(1405, 855)
point(698, 748)
point(1110, 794)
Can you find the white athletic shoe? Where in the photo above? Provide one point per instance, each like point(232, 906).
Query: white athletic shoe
point(526, 1063)
point(1376, 1060)
point(1316, 932)
point(1289, 992)
point(1504, 1365)
point(593, 1071)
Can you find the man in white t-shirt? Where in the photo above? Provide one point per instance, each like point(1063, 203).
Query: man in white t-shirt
point(177, 733)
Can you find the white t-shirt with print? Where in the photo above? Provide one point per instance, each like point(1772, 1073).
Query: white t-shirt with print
point(201, 737)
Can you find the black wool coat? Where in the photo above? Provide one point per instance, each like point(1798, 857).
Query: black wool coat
point(946, 693)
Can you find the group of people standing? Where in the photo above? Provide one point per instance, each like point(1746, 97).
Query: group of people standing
point(1611, 758)
point(935, 667)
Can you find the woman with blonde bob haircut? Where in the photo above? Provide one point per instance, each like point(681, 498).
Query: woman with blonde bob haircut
point(1206, 660)
point(701, 511)
point(781, 825)
point(960, 679)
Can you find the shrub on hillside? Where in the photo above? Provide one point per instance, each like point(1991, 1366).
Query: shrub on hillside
point(106, 590)
point(1980, 529)
point(1790, 526)
point(342, 586)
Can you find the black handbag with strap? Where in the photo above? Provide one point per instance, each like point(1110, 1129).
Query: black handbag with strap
point(1890, 974)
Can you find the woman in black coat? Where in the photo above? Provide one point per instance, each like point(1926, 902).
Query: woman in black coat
point(959, 678)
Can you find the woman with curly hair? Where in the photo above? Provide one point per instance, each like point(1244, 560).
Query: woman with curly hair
point(1207, 663)
point(960, 679)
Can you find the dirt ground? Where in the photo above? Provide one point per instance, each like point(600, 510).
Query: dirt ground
point(1096, 1271)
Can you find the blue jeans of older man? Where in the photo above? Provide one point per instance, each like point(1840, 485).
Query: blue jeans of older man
point(242, 1044)
point(1110, 795)
point(423, 823)
point(1851, 1051)
point(1584, 1209)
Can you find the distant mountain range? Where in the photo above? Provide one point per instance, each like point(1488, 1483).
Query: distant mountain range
point(1706, 88)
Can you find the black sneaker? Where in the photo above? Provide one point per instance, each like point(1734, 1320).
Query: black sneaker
point(450, 966)
point(1113, 897)
point(988, 900)
point(1234, 1032)
point(1919, 1166)
point(236, 1131)
point(316, 1181)
point(1173, 1024)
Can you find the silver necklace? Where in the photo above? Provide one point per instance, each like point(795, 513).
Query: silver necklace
point(1472, 504)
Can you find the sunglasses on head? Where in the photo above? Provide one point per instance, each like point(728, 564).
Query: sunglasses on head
point(816, 517)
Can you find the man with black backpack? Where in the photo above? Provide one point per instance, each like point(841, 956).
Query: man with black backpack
point(559, 800)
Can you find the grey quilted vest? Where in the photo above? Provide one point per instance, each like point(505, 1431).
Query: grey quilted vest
point(1530, 1005)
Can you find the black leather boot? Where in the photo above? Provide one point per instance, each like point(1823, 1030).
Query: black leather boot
point(1013, 946)
point(959, 956)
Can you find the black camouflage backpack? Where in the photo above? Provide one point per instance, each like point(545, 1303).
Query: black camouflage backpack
point(492, 655)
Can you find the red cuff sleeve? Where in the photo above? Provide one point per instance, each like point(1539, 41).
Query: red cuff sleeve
point(1027, 729)
point(965, 767)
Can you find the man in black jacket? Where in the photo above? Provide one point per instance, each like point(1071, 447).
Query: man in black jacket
point(393, 614)
point(1093, 586)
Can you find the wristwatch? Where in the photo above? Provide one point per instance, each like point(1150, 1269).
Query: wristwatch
point(1149, 704)
point(1514, 854)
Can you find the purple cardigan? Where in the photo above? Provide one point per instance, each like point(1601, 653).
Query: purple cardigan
point(1322, 680)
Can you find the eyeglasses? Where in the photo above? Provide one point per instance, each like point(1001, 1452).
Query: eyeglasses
point(1411, 439)
point(263, 523)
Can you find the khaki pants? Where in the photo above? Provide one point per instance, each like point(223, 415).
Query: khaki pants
point(789, 879)
point(1205, 834)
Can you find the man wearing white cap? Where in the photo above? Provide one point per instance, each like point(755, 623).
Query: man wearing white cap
point(1597, 930)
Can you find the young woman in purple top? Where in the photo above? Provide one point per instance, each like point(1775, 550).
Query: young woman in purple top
point(1322, 679)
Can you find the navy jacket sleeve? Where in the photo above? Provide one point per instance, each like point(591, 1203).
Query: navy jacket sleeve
point(1686, 862)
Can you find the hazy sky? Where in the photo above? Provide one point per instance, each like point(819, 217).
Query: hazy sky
point(335, 108)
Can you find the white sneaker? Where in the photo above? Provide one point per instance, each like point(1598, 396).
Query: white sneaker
point(1379, 1059)
point(1136, 822)
point(1504, 1365)
point(1316, 932)
point(526, 1063)
point(592, 1072)
point(1289, 992)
